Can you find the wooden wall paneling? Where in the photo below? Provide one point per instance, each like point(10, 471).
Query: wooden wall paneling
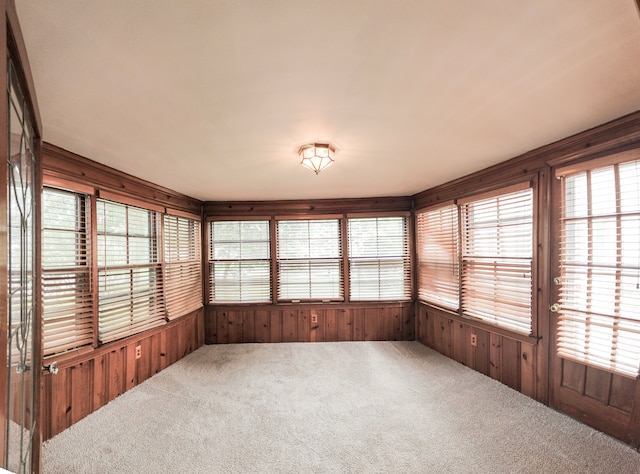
point(527, 369)
point(470, 351)
point(357, 318)
point(81, 390)
point(391, 323)
point(248, 326)
point(275, 324)
point(222, 327)
point(164, 360)
point(262, 330)
point(304, 328)
point(85, 385)
point(173, 343)
point(634, 435)
point(200, 325)
point(408, 323)
point(510, 363)
point(330, 325)
point(622, 394)
point(143, 364)
point(210, 326)
point(443, 335)
point(155, 364)
point(289, 325)
point(244, 209)
point(189, 335)
point(459, 338)
point(495, 356)
point(483, 352)
point(130, 363)
point(116, 374)
point(45, 412)
point(371, 324)
point(345, 325)
point(60, 402)
point(234, 327)
point(597, 385)
point(316, 329)
point(99, 384)
point(182, 341)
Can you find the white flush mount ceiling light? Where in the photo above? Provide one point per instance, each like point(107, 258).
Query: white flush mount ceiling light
point(316, 156)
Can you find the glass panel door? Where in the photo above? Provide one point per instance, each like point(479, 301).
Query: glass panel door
point(21, 273)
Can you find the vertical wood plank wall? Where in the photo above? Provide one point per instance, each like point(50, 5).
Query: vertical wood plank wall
point(309, 323)
point(89, 381)
point(496, 355)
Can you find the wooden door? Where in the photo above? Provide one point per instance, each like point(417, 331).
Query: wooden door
point(595, 315)
point(20, 335)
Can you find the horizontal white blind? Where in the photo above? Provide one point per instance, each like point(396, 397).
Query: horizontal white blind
point(183, 267)
point(599, 318)
point(379, 259)
point(497, 248)
point(438, 259)
point(67, 298)
point(309, 260)
point(239, 262)
point(130, 285)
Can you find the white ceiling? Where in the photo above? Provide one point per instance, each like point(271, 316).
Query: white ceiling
point(212, 98)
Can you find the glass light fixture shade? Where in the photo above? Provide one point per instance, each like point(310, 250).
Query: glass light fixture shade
point(316, 156)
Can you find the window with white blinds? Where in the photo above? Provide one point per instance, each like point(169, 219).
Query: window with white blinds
point(497, 248)
point(239, 262)
point(438, 258)
point(309, 260)
point(379, 259)
point(67, 298)
point(599, 317)
point(130, 285)
point(183, 267)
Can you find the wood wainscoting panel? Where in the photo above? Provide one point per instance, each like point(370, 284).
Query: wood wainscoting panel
point(88, 381)
point(309, 323)
point(508, 359)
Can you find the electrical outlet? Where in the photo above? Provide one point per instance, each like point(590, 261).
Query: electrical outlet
point(138, 352)
point(314, 318)
point(474, 340)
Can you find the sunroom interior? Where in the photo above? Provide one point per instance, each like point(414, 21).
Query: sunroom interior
point(516, 254)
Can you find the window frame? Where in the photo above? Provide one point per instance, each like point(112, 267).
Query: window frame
point(576, 316)
point(209, 274)
point(450, 264)
point(84, 314)
point(404, 261)
point(151, 297)
point(180, 297)
point(340, 259)
point(531, 183)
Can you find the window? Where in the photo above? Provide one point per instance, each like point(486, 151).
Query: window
point(130, 285)
point(183, 274)
point(599, 318)
point(438, 263)
point(67, 298)
point(309, 260)
point(497, 248)
point(379, 260)
point(239, 262)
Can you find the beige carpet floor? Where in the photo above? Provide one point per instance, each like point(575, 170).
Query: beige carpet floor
point(361, 407)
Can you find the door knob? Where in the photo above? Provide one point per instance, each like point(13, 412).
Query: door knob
point(52, 368)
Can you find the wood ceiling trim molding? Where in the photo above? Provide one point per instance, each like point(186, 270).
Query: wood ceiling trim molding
point(60, 163)
point(307, 207)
